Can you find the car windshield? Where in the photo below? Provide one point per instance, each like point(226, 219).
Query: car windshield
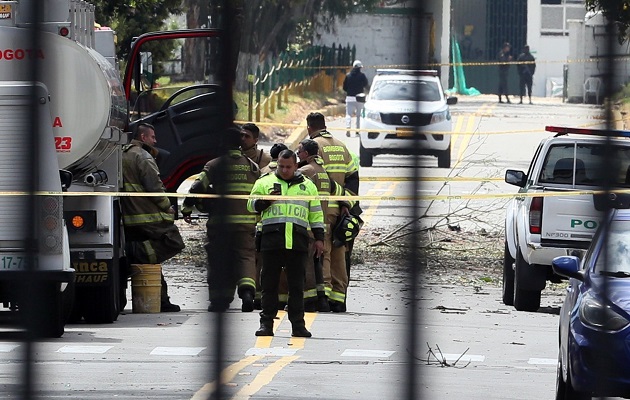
point(410, 90)
point(579, 164)
point(617, 249)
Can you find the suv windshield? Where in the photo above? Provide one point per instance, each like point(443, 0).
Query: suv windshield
point(408, 90)
point(579, 164)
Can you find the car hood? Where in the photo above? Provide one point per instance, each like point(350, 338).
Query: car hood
point(388, 106)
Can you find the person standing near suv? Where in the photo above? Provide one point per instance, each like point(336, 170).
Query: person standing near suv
point(353, 84)
point(504, 58)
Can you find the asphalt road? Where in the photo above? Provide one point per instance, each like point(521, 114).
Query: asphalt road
point(483, 349)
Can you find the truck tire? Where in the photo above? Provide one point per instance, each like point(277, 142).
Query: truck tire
point(524, 300)
point(48, 319)
point(444, 158)
point(365, 157)
point(508, 277)
point(101, 305)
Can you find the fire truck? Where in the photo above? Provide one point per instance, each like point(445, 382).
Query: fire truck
point(65, 114)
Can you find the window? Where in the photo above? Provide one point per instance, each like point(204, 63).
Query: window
point(579, 164)
point(419, 90)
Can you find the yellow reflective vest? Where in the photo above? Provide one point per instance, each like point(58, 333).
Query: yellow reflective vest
point(285, 222)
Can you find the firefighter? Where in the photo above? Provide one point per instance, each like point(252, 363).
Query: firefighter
point(285, 240)
point(249, 145)
point(150, 231)
point(341, 168)
point(312, 166)
point(230, 226)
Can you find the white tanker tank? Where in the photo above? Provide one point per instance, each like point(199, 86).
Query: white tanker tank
point(88, 105)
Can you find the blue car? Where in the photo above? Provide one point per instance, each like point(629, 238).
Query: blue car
point(594, 356)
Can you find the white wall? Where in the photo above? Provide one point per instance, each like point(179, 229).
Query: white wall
point(384, 40)
point(588, 43)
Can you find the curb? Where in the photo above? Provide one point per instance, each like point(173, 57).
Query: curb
point(300, 132)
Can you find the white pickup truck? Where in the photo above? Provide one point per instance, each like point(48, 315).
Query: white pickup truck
point(551, 218)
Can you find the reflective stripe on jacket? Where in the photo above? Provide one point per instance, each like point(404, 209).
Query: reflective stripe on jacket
point(285, 223)
point(239, 174)
point(141, 174)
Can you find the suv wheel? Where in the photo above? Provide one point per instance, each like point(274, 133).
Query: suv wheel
point(444, 158)
point(365, 157)
point(508, 277)
point(524, 300)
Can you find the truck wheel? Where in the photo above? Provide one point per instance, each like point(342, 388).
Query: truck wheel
point(508, 277)
point(365, 157)
point(444, 158)
point(48, 318)
point(101, 304)
point(524, 300)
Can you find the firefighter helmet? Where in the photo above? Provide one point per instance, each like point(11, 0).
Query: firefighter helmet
point(346, 229)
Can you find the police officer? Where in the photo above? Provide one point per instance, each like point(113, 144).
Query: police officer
point(230, 225)
point(249, 144)
point(285, 239)
point(341, 168)
point(275, 150)
point(150, 231)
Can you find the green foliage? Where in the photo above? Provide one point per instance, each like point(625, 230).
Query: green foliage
point(617, 11)
point(132, 18)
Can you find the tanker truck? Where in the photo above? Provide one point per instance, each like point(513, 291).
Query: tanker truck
point(61, 249)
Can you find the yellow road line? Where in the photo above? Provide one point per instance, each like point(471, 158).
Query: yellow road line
point(227, 375)
point(371, 209)
point(263, 378)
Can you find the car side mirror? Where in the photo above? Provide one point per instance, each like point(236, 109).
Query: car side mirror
point(567, 266)
point(514, 177)
point(66, 179)
point(451, 100)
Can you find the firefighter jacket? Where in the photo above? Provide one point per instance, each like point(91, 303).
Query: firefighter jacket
point(141, 174)
point(261, 158)
point(285, 222)
point(337, 160)
point(231, 174)
point(313, 169)
point(271, 167)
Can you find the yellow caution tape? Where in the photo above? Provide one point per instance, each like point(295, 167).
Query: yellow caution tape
point(324, 198)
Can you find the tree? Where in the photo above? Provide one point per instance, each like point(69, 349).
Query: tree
point(616, 11)
point(267, 27)
point(132, 18)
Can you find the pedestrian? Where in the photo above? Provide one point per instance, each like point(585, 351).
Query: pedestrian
point(230, 227)
point(341, 168)
point(150, 231)
point(311, 165)
point(504, 68)
point(249, 144)
point(354, 84)
point(526, 68)
point(285, 240)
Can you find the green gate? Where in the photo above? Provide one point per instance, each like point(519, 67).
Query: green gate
point(481, 27)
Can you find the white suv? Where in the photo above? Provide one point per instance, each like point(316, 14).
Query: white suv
point(399, 103)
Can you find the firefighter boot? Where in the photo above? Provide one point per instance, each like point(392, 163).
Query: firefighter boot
point(322, 304)
point(266, 329)
point(166, 305)
point(300, 331)
point(248, 300)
